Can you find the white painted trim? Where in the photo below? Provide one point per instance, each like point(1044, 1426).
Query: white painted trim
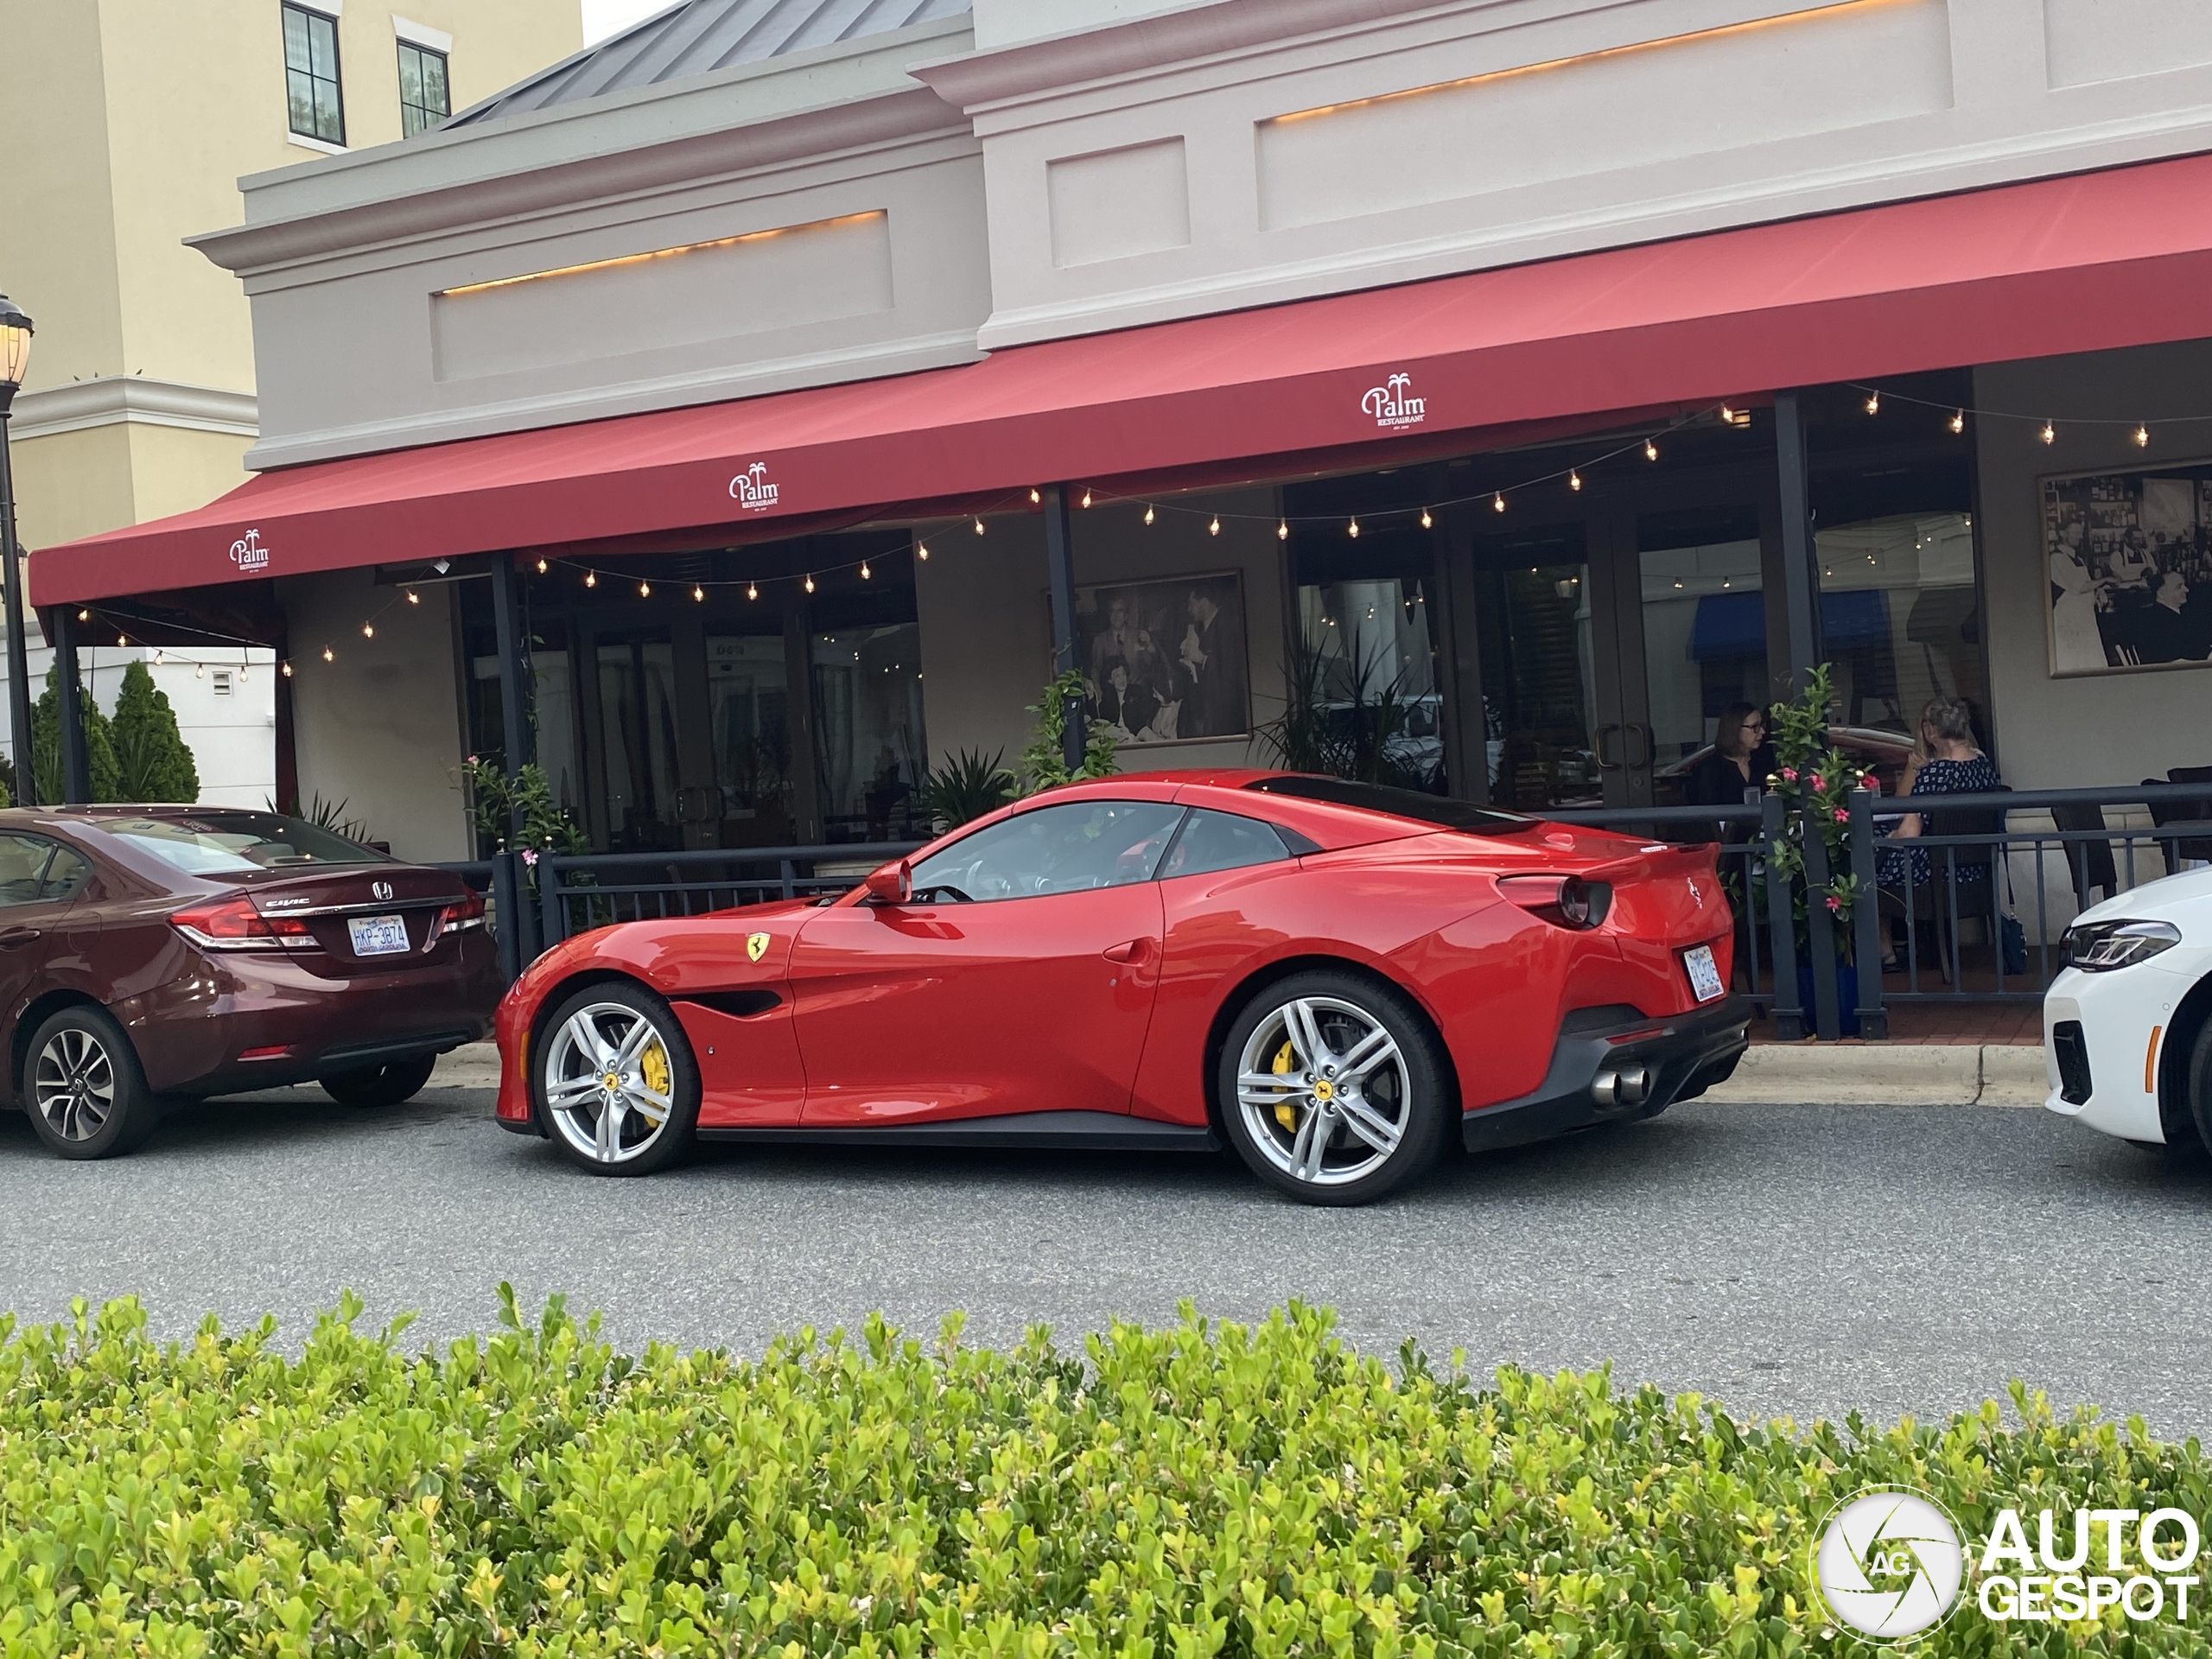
point(327, 8)
point(416, 34)
point(321, 147)
point(115, 399)
point(876, 361)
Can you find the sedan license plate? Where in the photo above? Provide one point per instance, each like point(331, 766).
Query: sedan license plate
point(1704, 976)
point(387, 936)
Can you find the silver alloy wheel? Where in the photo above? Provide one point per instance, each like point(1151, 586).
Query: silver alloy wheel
point(1324, 1090)
point(608, 1082)
point(73, 1084)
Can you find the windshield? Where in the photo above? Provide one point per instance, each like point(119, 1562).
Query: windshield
point(1399, 803)
point(235, 843)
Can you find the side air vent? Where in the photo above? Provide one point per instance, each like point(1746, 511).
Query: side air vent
point(738, 1005)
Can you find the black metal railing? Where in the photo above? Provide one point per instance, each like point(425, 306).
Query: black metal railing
point(582, 891)
point(505, 915)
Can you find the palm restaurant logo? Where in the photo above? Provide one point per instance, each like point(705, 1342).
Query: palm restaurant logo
point(751, 489)
point(247, 552)
point(1393, 404)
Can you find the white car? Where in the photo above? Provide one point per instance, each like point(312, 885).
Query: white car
point(2125, 1026)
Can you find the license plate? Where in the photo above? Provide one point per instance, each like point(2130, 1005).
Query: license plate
point(387, 936)
point(1704, 976)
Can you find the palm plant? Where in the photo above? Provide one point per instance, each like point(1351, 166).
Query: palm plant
point(964, 788)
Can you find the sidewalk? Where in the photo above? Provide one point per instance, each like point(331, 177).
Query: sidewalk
point(1978, 1024)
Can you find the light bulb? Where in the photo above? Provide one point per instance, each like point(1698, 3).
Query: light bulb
point(1427, 523)
point(1959, 421)
point(922, 552)
point(810, 581)
point(414, 598)
point(1214, 529)
point(1650, 450)
point(752, 591)
point(285, 669)
point(1873, 402)
point(979, 526)
point(1573, 480)
point(1497, 502)
point(866, 574)
point(1678, 582)
point(84, 616)
point(1282, 531)
point(1725, 582)
point(2050, 434)
point(1086, 498)
point(160, 657)
point(1727, 414)
point(1034, 499)
point(200, 670)
point(699, 592)
point(2142, 437)
point(541, 567)
point(1147, 514)
point(120, 640)
point(368, 630)
point(591, 578)
point(644, 590)
point(243, 675)
point(1355, 529)
point(328, 655)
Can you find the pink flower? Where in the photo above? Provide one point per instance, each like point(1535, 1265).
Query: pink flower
point(1835, 902)
point(1842, 815)
point(1791, 773)
point(1817, 782)
point(471, 760)
point(529, 857)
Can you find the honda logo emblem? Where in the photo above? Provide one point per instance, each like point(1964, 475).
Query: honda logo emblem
point(382, 889)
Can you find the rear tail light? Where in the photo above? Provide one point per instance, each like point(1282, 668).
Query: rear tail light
point(459, 918)
point(1564, 900)
point(234, 925)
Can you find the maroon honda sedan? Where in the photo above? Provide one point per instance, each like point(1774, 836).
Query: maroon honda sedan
point(149, 951)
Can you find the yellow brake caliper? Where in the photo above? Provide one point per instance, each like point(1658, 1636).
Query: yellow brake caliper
point(653, 1066)
point(1286, 1109)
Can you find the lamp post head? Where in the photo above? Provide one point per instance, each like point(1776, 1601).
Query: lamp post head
point(15, 346)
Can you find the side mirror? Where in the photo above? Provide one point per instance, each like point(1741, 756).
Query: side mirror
point(893, 884)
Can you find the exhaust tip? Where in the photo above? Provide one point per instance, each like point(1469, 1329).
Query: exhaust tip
point(1628, 1088)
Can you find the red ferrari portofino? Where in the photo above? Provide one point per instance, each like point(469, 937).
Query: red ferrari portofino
point(1331, 977)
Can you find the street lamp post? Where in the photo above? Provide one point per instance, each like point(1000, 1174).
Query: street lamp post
point(14, 357)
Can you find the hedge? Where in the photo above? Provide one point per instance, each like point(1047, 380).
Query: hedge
point(1207, 1488)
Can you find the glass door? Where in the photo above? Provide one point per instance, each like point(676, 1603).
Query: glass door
point(748, 715)
point(637, 709)
point(1547, 741)
point(1702, 623)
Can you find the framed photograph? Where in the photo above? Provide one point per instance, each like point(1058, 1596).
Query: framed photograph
point(1164, 661)
point(2129, 556)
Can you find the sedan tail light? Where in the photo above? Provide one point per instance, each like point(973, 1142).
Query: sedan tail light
point(459, 918)
point(1565, 900)
point(233, 924)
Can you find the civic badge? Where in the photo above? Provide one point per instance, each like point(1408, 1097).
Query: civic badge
point(756, 946)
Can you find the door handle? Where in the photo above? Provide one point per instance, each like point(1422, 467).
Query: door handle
point(1605, 764)
point(12, 937)
point(1642, 735)
point(1134, 951)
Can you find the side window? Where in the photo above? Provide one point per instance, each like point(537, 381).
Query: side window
point(1222, 841)
point(65, 874)
point(1051, 849)
point(315, 105)
point(22, 866)
point(422, 102)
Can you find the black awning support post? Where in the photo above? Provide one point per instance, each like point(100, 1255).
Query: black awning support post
point(1059, 555)
point(69, 696)
point(514, 710)
point(1801, 570)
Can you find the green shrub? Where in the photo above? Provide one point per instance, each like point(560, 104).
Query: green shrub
point(1198, 1490)
point(153, 761)
point(102, 771)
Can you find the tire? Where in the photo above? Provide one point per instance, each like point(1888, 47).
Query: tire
point(646, 1121)
point(1309, 1134)
point(379, 1085)
point(83, 1089)
point(2198, 1079)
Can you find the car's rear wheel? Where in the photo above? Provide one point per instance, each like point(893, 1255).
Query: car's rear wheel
point(615, 1081)
point(1332, 1088)
point(381, 1085)
point(83, 1087)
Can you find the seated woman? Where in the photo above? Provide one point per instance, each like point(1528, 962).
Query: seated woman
point(1947, 761)
point(1740, 759)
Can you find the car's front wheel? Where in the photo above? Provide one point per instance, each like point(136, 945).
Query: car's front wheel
point(1332, 1088)
point(83, 1086)
point(615, 1081)
point(371, 1086)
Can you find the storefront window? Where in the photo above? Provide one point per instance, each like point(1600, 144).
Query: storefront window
point(1369, 680)
point(749, 708)
point(1540, 695)
point(1704, 638)
point(871, 747)
point(637, 702)
point(1900, 619)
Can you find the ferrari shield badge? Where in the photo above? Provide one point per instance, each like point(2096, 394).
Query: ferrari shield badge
point(756, 946)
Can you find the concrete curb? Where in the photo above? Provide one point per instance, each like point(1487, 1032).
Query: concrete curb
point(1822, 1073)
point(1934, 1074)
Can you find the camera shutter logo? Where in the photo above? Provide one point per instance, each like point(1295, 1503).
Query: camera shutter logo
point(247, 552)
point(1889, 1563)
point(751, 489)
point(1393, 404)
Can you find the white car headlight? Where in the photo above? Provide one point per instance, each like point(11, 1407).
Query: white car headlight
point(2099, 947)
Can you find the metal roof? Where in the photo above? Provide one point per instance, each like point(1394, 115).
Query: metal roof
point(698, 37)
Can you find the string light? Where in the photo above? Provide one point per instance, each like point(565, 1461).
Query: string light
point(160, 657)
point(1282, 531)
point(1086, 498)
point(866, 574)
point(1497, 502)
point(84, 616)
point(1355, 529)
point(1035, 500)
point(1214, 529)
point(245, 674)
point(810, 581)
point(200, 670)
point(285, 669)
point(328, 655)
point(1873, 402)
point(1959, 421)
point(2142, 437)
point(1427, 523)
point(414, 598)
point(644, 590)
point(1727, 415)
point(591, 578)
point(2050, 434)
point(979, 526)
point(1147, 513)
point(368, 630)
point(120, 640)
point(922, 551)
point(1650, 450)
point(699, 594)
point(752, 591)
point(1573, 479)
point(541, 567)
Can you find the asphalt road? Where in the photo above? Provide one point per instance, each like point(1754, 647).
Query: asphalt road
point(1793, 1260)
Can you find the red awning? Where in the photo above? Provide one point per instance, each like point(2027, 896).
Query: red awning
point(2086, 262)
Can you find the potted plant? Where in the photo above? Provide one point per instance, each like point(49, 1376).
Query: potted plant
point(1814, 779)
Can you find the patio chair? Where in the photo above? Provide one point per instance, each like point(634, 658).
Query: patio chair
point(2091, 861)
point(1961, 883)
